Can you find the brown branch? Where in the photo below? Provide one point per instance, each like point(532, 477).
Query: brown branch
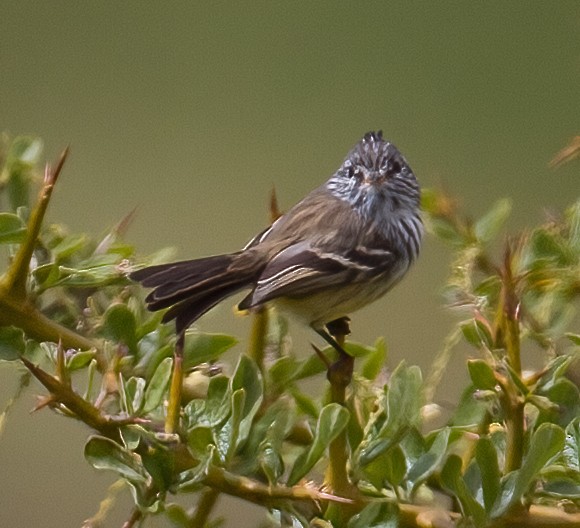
point(79, 407)
point(14, 281)
point(204, 507)
point(264, 494)
point(336, 478)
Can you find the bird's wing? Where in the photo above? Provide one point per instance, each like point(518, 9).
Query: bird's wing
point(302, 270)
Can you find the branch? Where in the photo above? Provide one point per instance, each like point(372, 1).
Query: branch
point(82, 409)
point(15, 278)
point(339, 375)
point(263, 494)
point(16, 308)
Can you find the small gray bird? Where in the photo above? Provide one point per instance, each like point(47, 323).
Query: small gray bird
point(342, 247)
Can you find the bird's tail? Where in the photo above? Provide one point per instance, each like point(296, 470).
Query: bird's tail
point(192, 287)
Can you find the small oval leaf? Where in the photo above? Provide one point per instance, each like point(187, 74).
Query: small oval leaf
point(157, 386)
point(103, 453)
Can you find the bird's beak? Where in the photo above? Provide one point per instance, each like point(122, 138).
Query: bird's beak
point(373, 178)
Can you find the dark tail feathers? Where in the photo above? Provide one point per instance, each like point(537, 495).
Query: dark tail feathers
point(192, 287)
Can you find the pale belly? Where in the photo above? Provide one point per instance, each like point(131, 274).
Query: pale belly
point(320, 308)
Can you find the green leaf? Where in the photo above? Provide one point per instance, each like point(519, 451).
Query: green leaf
point(25, 150)
point(20, 163)
point(431, 461)
point(157, 387)
point(486, 457)
point(376, 515)
point(273, 426)
point(571, 453)
point(401, 405)
point(565, 490)
point(283, 371)
point(516, 378)
point(553, 371)
point(487, 227)
point(477, 333)
point(204, 348)
point(215, 409)
point(470, 410)
point(190, 479)
point(12, 343)
point(452, 479)
point(159, 463)
point(247, 376)
point(563, 402)
point(98, 276)
point(80, 360)
point(573, 217)
point(353, 348)
point(223, 444)
point(120, 325)
point(542, 403)
point(481, 374)
point(90, 376)
point(177, 515)
point(575, 338)
point(389, 467)
point(234, 425)
point(358, 350)
point(332, 420)
point(546, 442)
point(375, 361)
point(103, 453)
point(548, 245)
point(152, 349)
point(447, 232)
point(413, 446)
point(69, 245)
point(313, 365)
point(134, 390)
point(131, 435)
point(199, 438)
point(12, 229)
point(270, 462)
point(305, 403)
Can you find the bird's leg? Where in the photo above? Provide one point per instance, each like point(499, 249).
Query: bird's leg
point(335, 333)
point(339, 328)
point(340, 372)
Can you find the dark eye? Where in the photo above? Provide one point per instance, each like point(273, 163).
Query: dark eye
point(395, 167)
point(351, 172)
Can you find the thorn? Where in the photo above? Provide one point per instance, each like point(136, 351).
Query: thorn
point(47, 175)
point(50, 176)
point(42, 402)
point(123, 225)
point(567, 154)
point(60, 164)
point(275, 212)
point(118, 231)
point(334, 498)
point(321, 355)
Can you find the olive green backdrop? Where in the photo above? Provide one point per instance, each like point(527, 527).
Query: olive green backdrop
point(192, 112)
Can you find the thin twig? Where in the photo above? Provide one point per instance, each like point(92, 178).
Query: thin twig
point(176, 387)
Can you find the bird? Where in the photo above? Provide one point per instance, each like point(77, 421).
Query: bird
point(344, 245)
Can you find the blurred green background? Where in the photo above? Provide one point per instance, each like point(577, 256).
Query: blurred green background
point(192, 112)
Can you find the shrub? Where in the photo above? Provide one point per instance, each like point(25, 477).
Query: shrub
point(170, 423)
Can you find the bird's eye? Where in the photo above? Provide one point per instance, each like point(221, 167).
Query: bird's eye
point(351, 171)
point(396, 167)
point(391, 168)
